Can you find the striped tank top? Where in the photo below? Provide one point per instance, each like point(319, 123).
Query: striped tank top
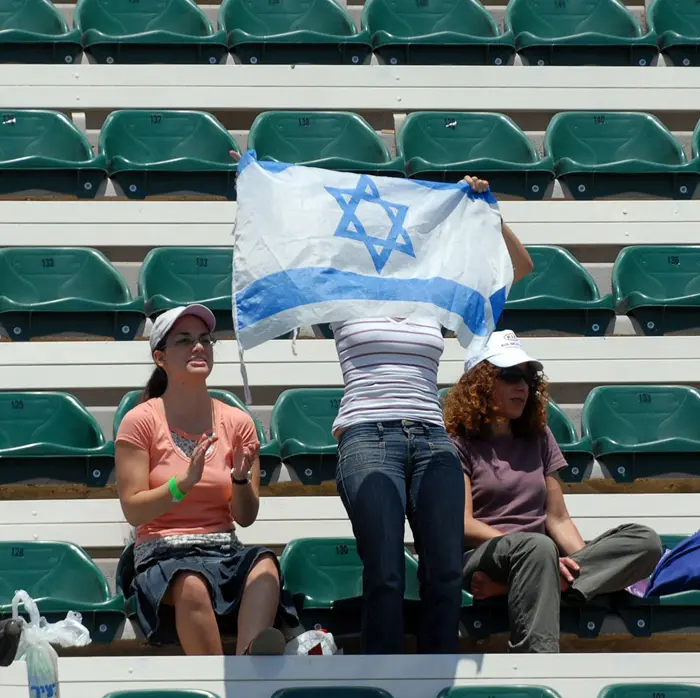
point(390, 371)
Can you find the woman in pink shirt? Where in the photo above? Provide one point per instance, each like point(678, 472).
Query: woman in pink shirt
point(520, 541)
point(187, 469)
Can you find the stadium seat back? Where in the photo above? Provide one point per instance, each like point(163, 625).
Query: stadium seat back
point(332, 692)
point(147, 137)
point(270, 17)
point(447, 137)
point(186, 274)
point(323, 568)
point(37, 275)
point(514, 691)
point(119, 19)
point(651, 690)
point(639, 414)
point(327, 570)
point(408, 18)
point(560, 425)
point(306, 415)
point(52, 418)
point(37, 132)
point(678, 16)
point(659, 272)
point(557, 273)
point(60, 571)
point(307, 137)
point(38, 16)
point(552, 20)
point(600, 138)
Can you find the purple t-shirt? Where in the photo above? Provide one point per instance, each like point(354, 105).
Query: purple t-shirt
point(507, 476)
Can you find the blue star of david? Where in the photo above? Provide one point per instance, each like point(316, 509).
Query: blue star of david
point(380, 249)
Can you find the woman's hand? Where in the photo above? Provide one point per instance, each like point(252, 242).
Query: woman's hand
point(196, 466)
point(243, 461)
point(568, 570)
point(478, 185)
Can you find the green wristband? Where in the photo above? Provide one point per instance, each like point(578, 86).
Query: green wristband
point(177, 494)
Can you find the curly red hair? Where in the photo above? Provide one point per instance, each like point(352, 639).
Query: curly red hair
point(469, 406)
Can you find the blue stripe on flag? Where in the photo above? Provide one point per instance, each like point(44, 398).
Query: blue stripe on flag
point(285, 290)
point(498, 302)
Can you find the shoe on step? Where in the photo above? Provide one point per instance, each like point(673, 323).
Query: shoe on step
point(270, 642)
point(10, 632)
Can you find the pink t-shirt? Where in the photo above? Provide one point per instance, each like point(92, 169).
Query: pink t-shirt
point(206, 508)
point(507, 476)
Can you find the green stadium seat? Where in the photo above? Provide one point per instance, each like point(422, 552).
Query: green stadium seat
point(677, 26)
point(269, 450)
point(558, 296)
point(162, 152)
point(612, 153)
point(658, 286)
point(515, 691)
point(332, 140)
point(324, 577)
point(644, 430)
point(301, 423)
point(47, 291)
point(650, 690)
point(661, 614)
point(332, 692)
point(33, 31)
point(578, 32)
point(446, 146)
point(578, 452)
point(47, 435)
point(173, 276)
point(44, 150)
point(435, 33)
point(162, 693)
point(60, 577)
point(293, 31)
point(149, 31)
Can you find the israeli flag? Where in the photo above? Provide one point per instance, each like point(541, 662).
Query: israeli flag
point(315, 246)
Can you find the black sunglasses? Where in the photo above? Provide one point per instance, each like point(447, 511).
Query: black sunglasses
point(515, 374)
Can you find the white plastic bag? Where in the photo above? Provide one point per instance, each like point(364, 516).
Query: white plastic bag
point(312, 642)
point(35, 644)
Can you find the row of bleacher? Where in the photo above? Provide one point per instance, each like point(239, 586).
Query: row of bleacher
point(50, 291)
point(628, 690)
point(146, 153)
point(632, 431)
point(409, 31)
point(324, 577)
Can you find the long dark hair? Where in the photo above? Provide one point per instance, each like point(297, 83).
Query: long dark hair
point(158, 382)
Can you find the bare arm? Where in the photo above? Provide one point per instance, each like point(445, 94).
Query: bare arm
point(560, 528)
point(519, 256)
point(475, 532)
point(245, 500)
point(141, 504)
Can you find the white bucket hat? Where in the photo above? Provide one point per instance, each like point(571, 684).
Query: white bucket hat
point(166, 320)
point(503, 349)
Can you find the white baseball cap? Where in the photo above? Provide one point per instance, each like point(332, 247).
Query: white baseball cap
point(503, 349)
point(164, 322)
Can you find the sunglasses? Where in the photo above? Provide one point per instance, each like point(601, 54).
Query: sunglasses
point(514, 374)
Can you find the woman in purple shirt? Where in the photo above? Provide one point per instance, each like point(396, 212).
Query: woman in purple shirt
point(520, 540)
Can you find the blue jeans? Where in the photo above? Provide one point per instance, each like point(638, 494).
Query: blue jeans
point(386, 472)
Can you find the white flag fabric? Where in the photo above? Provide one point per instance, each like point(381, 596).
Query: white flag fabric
point(315, 246)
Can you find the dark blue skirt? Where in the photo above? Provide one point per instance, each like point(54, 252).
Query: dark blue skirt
point(225, 570)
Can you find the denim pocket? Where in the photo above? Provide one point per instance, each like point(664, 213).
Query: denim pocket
point(360, 448)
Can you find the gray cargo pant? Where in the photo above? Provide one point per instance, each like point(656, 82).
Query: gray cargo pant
point(529, 564)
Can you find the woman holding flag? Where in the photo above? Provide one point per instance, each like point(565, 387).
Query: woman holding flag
point(396, 461)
